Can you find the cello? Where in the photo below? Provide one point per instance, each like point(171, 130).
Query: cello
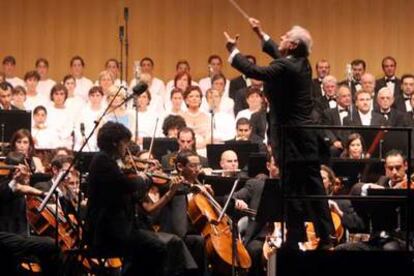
point(203, 211)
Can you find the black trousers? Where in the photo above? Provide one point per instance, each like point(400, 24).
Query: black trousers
point(17, 247)
point(304, 178)
point(255, 249)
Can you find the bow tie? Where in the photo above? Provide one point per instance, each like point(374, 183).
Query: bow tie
point(407, 98)
point(389, 80)
point(342, 110)
point(385, 113)
point(331, 99)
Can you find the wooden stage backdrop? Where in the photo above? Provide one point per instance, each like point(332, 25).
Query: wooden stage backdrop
point(168, 30)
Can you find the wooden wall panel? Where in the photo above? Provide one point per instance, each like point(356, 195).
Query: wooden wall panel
point(168, 30)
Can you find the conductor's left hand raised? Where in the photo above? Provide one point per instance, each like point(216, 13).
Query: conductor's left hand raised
point(231, 43)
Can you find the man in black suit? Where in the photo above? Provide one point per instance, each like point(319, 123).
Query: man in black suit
point(392, 116)
point(186, 141)
point(112, 196)
point(364, 115)
point(328, 100)
point(358, 67)
point(288, 79)
point(335, 117)
point(249, 197)
point(240, 82)
point(390, 80)
point(6, 96)
point(402, 102)
point(322, 70)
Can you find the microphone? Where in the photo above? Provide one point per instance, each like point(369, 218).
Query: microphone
point(126, 13)
point(82, 129)
point(121, 33)
point(138, 89)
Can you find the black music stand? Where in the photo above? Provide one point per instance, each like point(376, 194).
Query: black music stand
point(257, 164)
point(222, 185)
point(351, 171)
point(162, 146)
point(243, 151)
point(270, 207)
point(390, 215)
point(14, 120)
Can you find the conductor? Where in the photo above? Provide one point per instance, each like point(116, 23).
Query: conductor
point(288, 80)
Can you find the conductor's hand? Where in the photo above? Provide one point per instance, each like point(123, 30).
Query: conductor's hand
point(257, 28)
point(231, 43)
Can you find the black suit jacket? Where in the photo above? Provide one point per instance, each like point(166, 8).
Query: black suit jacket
point(288, 84)
point(316, 88)
point(376, 120)
point(12, 107)
point(353, 86)
point(331, 118)
point(251, 193)
point(240, 102)
point(111, 198)
point(396, 118)
point(235, 85)
point(380, 83)
point(399, 103)
point(258, 121)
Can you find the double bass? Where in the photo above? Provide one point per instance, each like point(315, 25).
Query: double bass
point(204, 211)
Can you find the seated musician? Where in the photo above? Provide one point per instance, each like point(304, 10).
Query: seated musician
point(395, 178)
point(229, 164)
point(22, 141)
point(249, 197)
point(110, 221)
point(15, 243)
point(180, 260)
point(186, 141)
point(67, 189)
point(244, 132)
point(173, 217)
point(354, 147)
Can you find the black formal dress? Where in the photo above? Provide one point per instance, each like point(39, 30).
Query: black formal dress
point(110, 219)
point(288, 83)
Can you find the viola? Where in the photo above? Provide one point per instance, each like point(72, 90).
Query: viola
point(204, 211)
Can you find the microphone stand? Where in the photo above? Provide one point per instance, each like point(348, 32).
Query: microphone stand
point(62, 175)
point(121, 42)
point(136, 119)
point(212, 125)
point(126, 17)
point(234, 253)
point(3, 125)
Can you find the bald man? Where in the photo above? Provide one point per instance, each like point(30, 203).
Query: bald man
point(229, 163)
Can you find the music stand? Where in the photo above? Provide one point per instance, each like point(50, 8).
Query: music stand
point(389, 215)
point(243, 151)
point(222, 185)
point(257, 164)
point(84, 162)
point(352, 171)
point(161, 147)
point(270, 207)
point(14, 120)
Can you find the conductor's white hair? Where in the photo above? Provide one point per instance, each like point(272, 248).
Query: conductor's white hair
point(298, 33)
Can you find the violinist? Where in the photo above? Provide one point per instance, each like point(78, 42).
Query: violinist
point(22, 141)
point(112, 195)
point(249, 197)
point(15, 240)
point(395, 178)
point(159, 195)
